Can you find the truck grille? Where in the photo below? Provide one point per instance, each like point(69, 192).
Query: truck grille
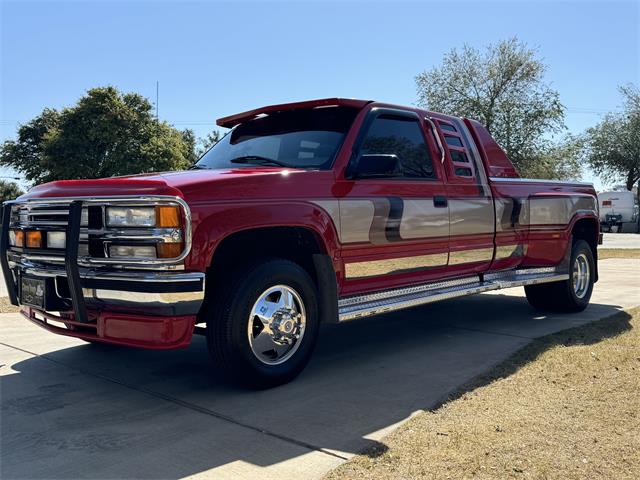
point(34, 215)
point(47, 220)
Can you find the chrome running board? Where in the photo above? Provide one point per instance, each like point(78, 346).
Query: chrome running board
point(350, 308)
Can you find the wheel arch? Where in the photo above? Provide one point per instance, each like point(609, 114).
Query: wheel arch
point(587, 229)
point(302, 245)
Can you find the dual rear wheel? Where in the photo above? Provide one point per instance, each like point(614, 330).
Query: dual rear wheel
point(570, 295)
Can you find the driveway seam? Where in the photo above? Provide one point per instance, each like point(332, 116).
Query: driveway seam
point(490, 332)
point(182, 403)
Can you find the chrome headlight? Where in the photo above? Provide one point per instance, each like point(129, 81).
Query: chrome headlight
point(131, 216)
point(167, 240)
point(56, 239)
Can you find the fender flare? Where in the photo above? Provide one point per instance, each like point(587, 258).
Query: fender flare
point(213, 223)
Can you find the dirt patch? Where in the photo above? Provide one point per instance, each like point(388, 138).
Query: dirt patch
point(618, 253)
point(566, 406)
point(6, 307)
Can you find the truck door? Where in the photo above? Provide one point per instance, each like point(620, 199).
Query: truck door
point(394, 227)
point(472, 213)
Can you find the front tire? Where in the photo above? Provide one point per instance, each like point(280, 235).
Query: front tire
point(570, 295)
point(262, 328)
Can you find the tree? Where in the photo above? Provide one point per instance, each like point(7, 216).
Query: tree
point(612, 148)
point(560, 160)
point(207, 142)
point(503, 88)
point(9, 190)
point(106, 133)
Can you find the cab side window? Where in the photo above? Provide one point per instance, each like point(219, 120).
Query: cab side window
point(403, 137)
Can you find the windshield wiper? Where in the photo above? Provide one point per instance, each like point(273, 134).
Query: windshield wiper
point(195, 166)
point(258, 160)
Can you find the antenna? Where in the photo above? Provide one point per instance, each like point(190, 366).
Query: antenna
point(157, 99)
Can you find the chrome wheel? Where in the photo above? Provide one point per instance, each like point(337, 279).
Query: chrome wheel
point(581, 275)
point(276, 324)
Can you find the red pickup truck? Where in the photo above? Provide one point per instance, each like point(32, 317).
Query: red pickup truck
point(319, 211)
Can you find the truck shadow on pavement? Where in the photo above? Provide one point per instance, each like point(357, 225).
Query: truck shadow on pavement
point(103, 412)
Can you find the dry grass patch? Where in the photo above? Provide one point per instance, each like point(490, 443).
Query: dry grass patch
point(566, 406)
point(618, 253)
point(6, 307)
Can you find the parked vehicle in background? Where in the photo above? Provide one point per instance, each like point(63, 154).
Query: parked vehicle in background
point(618, 211)
point(320, 211)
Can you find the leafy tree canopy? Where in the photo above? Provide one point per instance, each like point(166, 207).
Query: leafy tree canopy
point(612, 147)
point(9, 190)
point(503, 87)
point(106, 133)
point(207, 142)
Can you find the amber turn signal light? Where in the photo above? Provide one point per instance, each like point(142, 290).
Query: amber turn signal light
point(167, 216)
point(169, 250)
point(34, 239)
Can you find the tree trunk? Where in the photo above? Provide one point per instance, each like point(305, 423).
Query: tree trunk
point(630, 180)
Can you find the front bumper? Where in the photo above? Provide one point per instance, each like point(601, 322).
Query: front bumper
point(146, 308)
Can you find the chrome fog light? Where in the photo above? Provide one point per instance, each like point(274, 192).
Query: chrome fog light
point(139, 251)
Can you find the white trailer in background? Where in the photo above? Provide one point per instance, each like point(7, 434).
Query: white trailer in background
point(618, 211)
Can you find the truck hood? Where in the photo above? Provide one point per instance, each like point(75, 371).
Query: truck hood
point(229, 183)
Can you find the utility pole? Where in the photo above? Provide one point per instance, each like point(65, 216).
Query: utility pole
point(157, 99)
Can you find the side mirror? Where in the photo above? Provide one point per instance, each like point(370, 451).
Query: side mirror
point(376, 165)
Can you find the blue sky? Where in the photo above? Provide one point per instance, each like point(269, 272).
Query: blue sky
point(217, 58)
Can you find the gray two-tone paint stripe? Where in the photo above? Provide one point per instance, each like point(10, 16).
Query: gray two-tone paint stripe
point(386, 219)
point(392, 219)
point(513, 213)
point(559, 210)
point(471, 216)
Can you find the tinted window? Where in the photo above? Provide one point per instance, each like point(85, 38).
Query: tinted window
point(304, 138)
point(401, 137)
point(447, 127)
point(463, 172)
point(457, 156)
point(453, 141)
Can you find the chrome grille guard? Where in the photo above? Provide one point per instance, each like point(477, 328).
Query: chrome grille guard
point(72, 260)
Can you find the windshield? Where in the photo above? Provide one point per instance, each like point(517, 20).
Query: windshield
point(304, 138)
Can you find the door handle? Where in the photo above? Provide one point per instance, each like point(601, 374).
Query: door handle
point(440, 201)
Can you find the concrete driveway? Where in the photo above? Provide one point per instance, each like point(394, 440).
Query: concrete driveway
point(72, 410)
point(621, 240)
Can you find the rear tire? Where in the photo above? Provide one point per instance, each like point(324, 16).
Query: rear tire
point(570, 295)
point(262, 328)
